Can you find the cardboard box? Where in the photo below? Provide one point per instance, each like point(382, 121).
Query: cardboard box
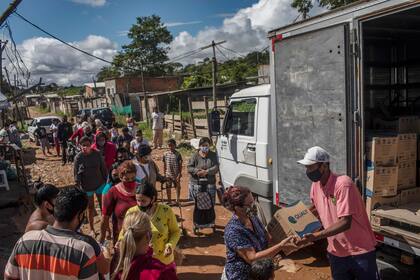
point(295, 219)
point(375, 202)
point(407, 174)
point(382, 181)
point(407, 147)
point(407, 124)
point(382, 151)
point(410, 195)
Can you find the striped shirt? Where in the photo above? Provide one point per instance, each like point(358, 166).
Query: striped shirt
point(54, 254)
point(172, 161)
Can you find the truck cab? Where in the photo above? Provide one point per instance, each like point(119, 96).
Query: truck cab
point(244, 144)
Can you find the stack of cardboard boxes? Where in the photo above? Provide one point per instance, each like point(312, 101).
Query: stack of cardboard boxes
point(391, 160)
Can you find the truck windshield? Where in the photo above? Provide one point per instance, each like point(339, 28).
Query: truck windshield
point(241, 117)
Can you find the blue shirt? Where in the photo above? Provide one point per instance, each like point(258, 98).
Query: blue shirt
point(237, 236)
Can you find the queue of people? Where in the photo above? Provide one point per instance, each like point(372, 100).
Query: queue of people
point(145, 232)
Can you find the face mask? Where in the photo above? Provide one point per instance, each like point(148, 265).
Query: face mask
point(51, 211)
point(88, 133)
point(101, 143)
point(315, 175)
point(146, 208)
point(146, 158)
point(130, 185)
point(204, 149)
point(81, 222)
point(86, 150)
point(139, 139)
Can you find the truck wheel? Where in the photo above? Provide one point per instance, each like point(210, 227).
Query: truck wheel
point(388, 271)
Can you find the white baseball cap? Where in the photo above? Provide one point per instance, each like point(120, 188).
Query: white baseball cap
point(314, 155)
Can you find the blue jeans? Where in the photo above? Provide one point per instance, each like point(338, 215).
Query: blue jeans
point(360, 267)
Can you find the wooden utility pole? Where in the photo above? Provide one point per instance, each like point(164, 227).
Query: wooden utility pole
point(12, 7)
point(2, 46)
point(214, 68)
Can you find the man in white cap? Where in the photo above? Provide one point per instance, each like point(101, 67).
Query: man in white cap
point(351, 242)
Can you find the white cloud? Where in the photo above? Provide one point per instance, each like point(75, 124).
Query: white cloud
point(173, 24)
point(93, 3)
point(245, 31)
point(55, 62)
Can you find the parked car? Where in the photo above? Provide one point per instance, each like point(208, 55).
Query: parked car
point(46, 123)
point(105, 114)
point(84, 113)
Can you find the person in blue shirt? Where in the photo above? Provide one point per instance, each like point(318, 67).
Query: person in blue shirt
point(246, 239)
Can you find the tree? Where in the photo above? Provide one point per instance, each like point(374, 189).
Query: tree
point(304, 6)
point(107, 72)
point(148, 49)
point(332, 4)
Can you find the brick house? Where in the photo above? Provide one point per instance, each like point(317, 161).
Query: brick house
point(130, 90)
point(93, 90)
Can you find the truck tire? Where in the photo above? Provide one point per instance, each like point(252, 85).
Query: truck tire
point(388, 271)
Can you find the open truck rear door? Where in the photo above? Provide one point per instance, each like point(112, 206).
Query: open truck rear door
point(310, 100)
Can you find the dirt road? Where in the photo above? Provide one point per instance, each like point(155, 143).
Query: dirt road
point(204, 254)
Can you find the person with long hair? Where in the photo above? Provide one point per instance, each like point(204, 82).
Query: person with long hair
point(165, 229)
point(118, 200)
point(44, 200)
point(136, 257)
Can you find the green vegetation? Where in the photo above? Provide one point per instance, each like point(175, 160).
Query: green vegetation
point(185, 149)
point(230, 71)
point(146, 129)
point(70, 91)
point(304, 6)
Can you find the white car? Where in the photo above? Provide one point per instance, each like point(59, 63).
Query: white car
point(45, 122)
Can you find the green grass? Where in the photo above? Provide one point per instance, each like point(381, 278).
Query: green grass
point(42, 110)
point(147, 130)
point(186, 150)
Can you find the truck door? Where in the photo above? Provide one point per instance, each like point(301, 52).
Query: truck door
point(238, 142)
point(310, 105)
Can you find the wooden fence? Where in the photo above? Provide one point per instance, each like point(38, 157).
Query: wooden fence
point(192, 127)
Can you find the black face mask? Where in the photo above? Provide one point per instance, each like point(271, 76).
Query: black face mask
point(51, 211)
point(315, 175)
point(81, 222)
point(146, 208)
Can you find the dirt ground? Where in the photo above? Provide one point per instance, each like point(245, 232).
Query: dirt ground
point(204, 254)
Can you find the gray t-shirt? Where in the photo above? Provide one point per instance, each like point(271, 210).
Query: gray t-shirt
point(89, 171)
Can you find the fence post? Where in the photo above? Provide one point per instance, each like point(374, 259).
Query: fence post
point(206, 104)
point(180, 118)
point(191, 115)
point(173, 122)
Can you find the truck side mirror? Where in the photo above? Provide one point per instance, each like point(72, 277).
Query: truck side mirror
point(214, 123)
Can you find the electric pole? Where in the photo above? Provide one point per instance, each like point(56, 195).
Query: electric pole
point(2, 46)
point(12, 7)
point(214, 68)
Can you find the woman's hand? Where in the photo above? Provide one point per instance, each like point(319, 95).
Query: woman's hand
point(168, 250)
point(289, 243)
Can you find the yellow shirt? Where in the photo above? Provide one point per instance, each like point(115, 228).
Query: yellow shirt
point(165, 231)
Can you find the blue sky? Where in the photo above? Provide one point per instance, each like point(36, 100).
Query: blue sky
point(74, 21)
point(98, 26)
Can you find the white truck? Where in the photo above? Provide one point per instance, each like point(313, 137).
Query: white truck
point(330, 75)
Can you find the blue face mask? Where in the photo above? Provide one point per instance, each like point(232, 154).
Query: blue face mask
point(204, 149)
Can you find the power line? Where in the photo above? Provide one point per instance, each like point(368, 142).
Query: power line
point(217, 47)
point(232, 51)
point(62, 41)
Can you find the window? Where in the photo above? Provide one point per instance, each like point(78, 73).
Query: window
point(241, 117)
